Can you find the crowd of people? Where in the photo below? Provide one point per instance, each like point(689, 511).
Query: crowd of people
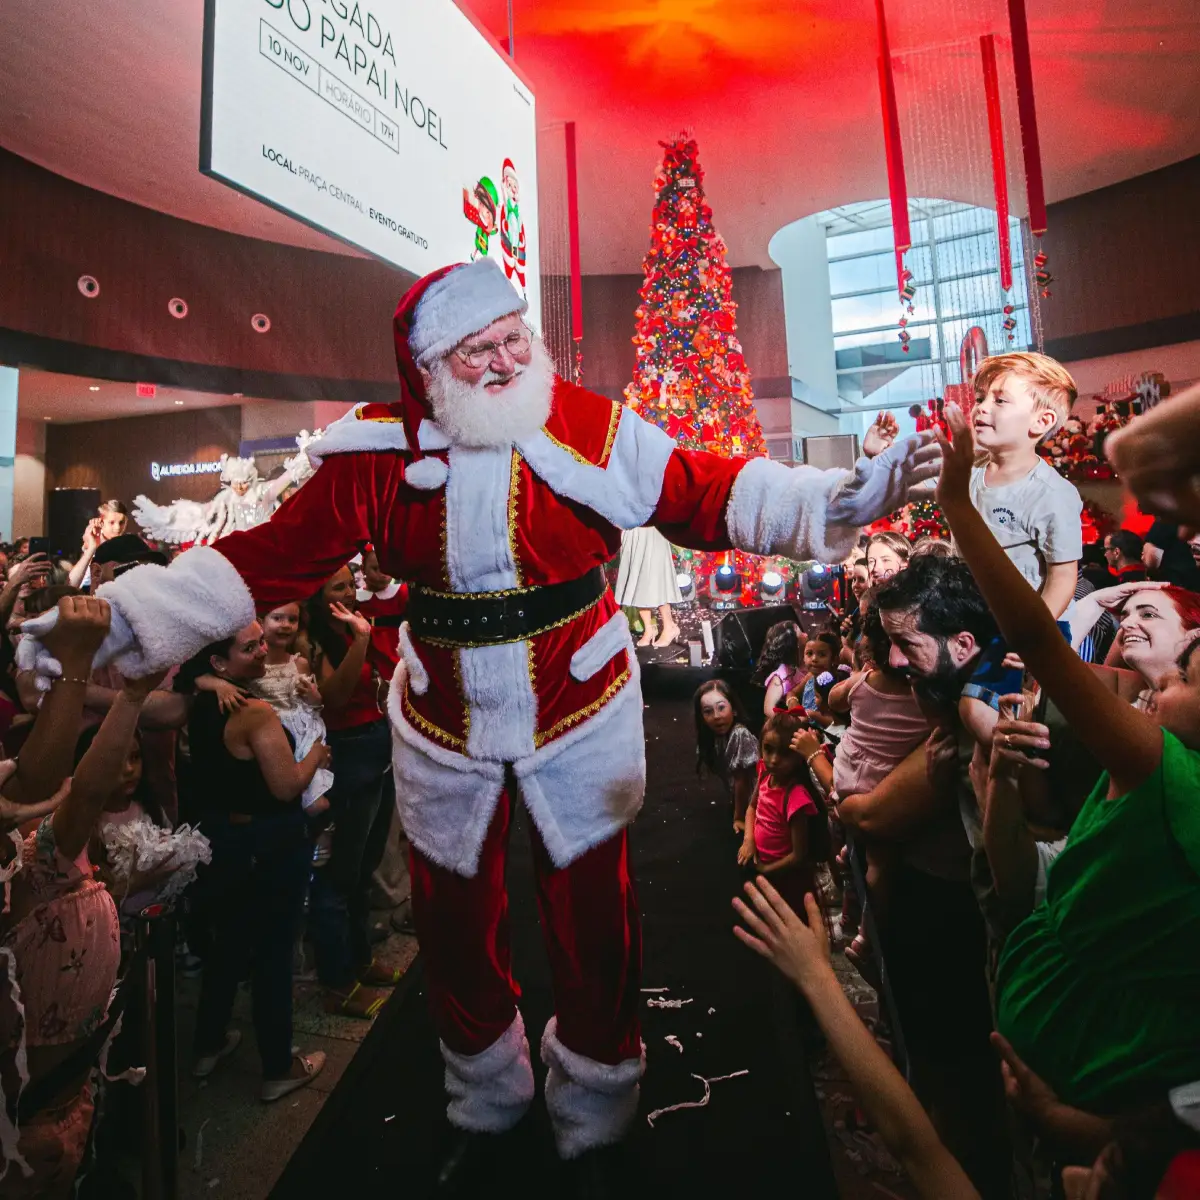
point(1011, 797)
point(240, 790)
point(992, 755)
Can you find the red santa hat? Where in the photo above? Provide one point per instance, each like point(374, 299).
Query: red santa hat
point(433, 316)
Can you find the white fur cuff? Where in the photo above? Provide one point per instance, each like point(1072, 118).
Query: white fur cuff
point(590, 1103)
point(775, 509)
point(177, 610)
point(490, 1091)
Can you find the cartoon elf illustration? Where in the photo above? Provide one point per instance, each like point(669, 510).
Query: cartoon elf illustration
point(480, 209)
point(512, 232)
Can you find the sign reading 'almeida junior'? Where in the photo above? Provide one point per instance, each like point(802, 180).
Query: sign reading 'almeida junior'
point(395, 125)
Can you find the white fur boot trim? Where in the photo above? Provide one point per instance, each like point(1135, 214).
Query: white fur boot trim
point(590, 1103)
point(490, 1091)
point(428, 474)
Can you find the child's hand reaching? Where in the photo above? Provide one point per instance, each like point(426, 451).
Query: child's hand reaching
point(307, 691)
point(881, 435)
point(801, 952)
point(958, 457)
point(745, 853)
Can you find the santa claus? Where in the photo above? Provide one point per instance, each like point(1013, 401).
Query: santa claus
point(499, 491)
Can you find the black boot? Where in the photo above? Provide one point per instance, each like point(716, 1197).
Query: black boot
point(466, 1163)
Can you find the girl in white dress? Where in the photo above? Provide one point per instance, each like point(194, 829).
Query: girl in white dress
point(290, 689)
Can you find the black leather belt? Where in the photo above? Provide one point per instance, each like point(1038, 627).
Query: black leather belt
point(492, 618)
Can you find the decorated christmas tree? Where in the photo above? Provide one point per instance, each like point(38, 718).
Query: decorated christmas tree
point(690, 376)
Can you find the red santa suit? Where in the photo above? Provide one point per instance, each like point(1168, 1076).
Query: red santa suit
point(518, 678)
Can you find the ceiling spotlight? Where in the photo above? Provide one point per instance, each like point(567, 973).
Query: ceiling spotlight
point(178, 401)
point(687, 588)
point(94, 388)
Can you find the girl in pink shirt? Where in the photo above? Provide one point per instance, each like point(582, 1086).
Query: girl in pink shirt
point(787, 830)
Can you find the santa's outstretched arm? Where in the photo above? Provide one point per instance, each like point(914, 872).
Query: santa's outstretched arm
point(765, 507)
point(163, 615)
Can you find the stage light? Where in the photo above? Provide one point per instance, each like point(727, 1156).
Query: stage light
point(771, 585)
point(725, 581)
point(687, 588)
point(817, 568)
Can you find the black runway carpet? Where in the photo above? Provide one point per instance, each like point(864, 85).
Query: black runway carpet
point(382, 1130)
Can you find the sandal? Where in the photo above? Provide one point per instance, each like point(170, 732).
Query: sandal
point(359, 1002)
point(306, 1067)
point(378, 975)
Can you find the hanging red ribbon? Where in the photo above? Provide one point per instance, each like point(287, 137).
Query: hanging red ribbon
point(1027, 116)
point(573, 230)
point(897, 187)
point(991, 88)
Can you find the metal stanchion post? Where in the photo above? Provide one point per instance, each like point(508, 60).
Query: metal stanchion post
point(160, 1102)
point(166, 1057)
point(152, 1183)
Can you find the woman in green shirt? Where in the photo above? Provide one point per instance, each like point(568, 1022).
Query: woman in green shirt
point(1098, 989)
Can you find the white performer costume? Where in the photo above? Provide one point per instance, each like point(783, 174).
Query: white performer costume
point(518, 678)
point(244, 501)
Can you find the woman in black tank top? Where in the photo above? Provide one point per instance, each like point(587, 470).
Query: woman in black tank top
point(248, 791)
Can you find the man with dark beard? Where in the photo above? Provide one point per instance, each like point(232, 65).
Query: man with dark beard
point(935, 943)
point(499, 491)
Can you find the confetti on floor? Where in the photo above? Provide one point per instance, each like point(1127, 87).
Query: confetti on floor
point(701, 1103)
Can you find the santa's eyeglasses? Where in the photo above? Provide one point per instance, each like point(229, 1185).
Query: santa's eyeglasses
point(481, 355)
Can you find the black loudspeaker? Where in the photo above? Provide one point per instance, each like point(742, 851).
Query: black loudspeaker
point(69, 511)
point(738, 639)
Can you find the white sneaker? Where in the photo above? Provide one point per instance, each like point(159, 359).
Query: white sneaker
point(276, 1089)
point(205, 1066)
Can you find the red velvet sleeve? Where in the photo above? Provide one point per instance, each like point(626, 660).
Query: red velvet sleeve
point(312, 535)
point(694, 498)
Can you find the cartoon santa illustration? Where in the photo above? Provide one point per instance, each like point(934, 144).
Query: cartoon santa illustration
point(499, 491)
point(512, 231)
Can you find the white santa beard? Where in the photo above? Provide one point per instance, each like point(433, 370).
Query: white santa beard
point(469, 415)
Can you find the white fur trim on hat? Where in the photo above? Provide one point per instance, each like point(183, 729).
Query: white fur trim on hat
point(427, 474)
point(459, 304)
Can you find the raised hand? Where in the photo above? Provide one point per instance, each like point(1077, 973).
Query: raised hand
point(1157, 457)
point(355, 622)
point(881, 435)
point(29, 570)
point(75, 636)
point(799, 951)
point(958, 457)
point(91, 536)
